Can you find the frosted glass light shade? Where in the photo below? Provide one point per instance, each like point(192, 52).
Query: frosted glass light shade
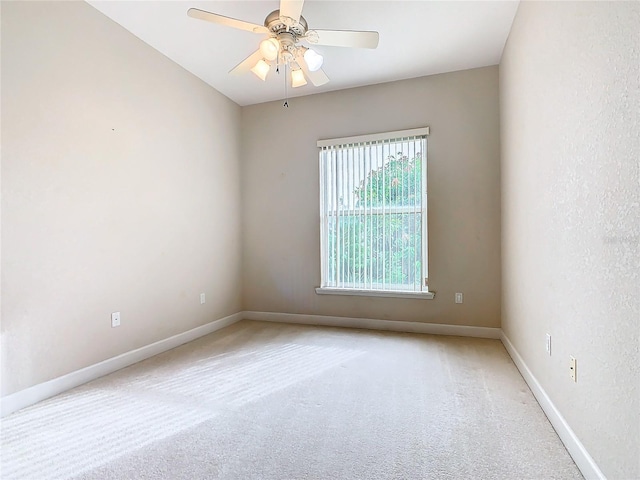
point(270, 48)
point(261, 69)
point(313, 59)
point(297, 78)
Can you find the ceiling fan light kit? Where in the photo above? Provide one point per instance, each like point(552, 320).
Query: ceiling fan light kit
point(261, 69)
point(286, 28)
point(270, 49)
point(314, 59)
point(297, 78)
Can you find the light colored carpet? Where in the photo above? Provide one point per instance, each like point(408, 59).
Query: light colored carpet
point(274, 401)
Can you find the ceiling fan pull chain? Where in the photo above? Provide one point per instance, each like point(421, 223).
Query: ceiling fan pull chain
point(286, 96)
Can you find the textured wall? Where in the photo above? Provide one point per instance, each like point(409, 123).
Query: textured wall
point(569, 92)
point(120, 192)
point(281, 191)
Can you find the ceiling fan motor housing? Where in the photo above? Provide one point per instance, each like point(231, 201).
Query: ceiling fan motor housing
point(287, 31)
point(277, 24)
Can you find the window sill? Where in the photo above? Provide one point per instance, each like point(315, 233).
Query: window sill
point(375, 293)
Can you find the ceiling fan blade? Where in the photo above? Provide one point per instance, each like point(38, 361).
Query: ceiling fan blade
point(291, 8)
point(247, 64)
point(317, 78)
point(343, 38)
point(226, 21)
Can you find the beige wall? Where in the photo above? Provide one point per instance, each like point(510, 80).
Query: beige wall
point(120, 192)
point(569, 92)
point(280, 195)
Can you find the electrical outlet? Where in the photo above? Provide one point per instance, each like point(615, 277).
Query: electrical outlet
point(202, 298)
point(458, 297)
point(115, 319)
point(549, 344)
point(572, 368)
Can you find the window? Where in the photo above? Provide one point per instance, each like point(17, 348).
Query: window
point(373, 214)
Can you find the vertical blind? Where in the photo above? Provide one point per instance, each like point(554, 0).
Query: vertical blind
point(373, 211)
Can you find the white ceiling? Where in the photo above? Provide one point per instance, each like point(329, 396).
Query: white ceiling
point(417, 38)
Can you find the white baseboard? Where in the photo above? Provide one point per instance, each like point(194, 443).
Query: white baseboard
point(42, 391)
point(576, 449)
point(373, 324)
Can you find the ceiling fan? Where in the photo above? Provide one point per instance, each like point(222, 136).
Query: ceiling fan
point(285, 29)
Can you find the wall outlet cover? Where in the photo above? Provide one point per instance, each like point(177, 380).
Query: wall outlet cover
point(548, 345)
point(572, 368)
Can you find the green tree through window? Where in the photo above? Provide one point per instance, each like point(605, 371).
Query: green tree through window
point(379, 241)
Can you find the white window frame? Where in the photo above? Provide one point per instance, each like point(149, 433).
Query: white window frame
point(424, 293)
